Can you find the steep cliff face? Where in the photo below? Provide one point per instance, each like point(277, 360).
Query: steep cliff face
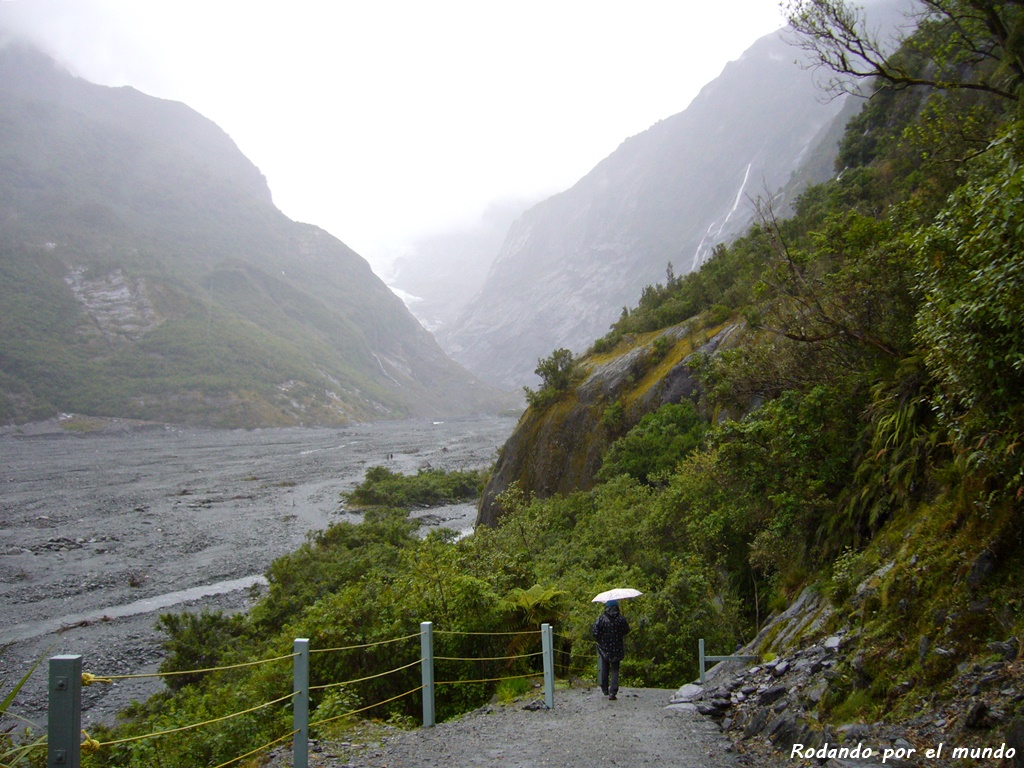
point(145, 272)
point(558, 449)
point(669, 194)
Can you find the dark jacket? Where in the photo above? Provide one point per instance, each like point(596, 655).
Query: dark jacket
point(609, 630)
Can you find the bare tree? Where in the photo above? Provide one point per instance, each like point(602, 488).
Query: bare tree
point(958, 45)
point(808, 311)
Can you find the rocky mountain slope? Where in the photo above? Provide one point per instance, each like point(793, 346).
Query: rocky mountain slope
point(667, 195)
point(146, 273)
point(559, 449)
point(809, 652)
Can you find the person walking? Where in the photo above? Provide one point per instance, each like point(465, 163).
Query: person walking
point(610, 631)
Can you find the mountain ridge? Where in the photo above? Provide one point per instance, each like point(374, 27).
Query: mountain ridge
point(253, 319)
point(666, 196)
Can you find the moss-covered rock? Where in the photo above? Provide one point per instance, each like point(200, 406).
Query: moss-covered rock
point(558, 448)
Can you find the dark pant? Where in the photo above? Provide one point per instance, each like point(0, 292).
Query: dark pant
point(608, 675)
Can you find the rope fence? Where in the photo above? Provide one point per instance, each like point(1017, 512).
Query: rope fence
point(256, 751)
point(486, 679)
point(193, 726)
point(66, 741)
point(364, 645)
point(486, 634)
point(89, 679)
point(488, 658)
point(363, 679)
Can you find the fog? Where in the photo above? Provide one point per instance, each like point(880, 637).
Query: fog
point(389, 122)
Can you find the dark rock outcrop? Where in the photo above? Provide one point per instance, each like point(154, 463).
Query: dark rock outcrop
point(767, 708)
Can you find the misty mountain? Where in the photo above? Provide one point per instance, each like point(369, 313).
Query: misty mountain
point(145, 272)
point(667, 195)
point(440, 274)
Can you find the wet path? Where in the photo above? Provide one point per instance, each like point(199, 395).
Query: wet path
point(583, 730)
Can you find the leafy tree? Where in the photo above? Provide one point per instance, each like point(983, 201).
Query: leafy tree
point(197, 641)
point(652, 449)
point(849, 293)
point(556, 372)
point(971, 262)
point(428, 487)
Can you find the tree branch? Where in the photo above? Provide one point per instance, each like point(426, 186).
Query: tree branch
point(835, 35)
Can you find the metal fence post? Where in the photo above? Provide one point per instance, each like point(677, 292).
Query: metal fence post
point(427, 664)
point(704, 659)
point(64, 713)
point(300, 703)
point(548, 652)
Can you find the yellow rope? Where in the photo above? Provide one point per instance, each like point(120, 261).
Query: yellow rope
point(198, 725)
point(89, 746)
point(370, 706)
point(258, 749)
point(486, 658)
point(362, 679)
point(452, 632)
point(89, 679)
point(110, 678)
point(488, 680)
point(367, 645)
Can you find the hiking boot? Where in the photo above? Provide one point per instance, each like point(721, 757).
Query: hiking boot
point(612, 697)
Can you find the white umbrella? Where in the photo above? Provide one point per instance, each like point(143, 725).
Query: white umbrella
point(622, 593)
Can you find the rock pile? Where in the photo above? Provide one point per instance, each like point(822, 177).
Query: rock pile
point(768, 708)
point(769, 704)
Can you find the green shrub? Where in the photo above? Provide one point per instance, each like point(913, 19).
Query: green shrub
point(510, 690)
point(30, 750)
point(652, 449)
point(427, 488)
point(556, 372)
point(197, 641)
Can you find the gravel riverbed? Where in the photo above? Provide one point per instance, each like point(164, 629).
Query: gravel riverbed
point(101, 531)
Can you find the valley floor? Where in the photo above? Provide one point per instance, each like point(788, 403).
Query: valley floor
point(101, 532)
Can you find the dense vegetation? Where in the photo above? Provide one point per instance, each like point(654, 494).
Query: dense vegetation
point(877, 387)
point(351, 585)
point(427, 488)
point(871, 416)
point(866, 416)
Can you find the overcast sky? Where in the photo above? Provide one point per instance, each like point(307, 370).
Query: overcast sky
point(383, 120)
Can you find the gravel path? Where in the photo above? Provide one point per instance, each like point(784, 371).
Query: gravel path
point(583, 729)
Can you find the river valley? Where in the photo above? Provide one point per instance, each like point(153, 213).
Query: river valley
point(102, 531)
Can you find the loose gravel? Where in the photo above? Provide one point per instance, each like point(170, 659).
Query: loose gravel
point(583, 730)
